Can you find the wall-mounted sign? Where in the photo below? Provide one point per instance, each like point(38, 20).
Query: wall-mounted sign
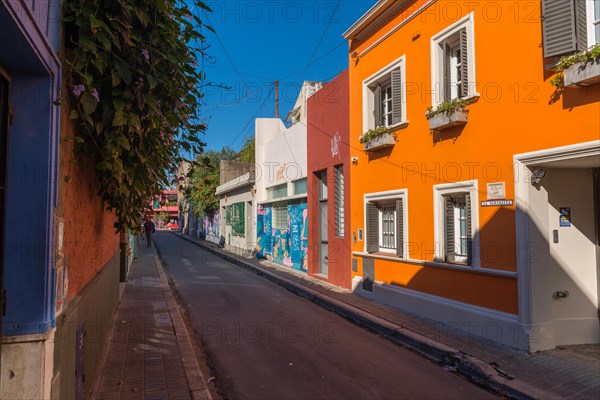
point(496, 191)
point(335, 145)
point(564, 216)
point(497, 203)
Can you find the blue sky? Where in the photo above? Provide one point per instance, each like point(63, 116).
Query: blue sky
point(258, 42)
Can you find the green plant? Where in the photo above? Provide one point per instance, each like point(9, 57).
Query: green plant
point(447, 107)
point(566, 61)
point(373, 133)
point(135, 86)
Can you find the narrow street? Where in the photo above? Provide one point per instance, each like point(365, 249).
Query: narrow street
point(265, 342)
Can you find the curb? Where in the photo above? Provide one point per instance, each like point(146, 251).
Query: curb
point(196, 383)
point(469, 366)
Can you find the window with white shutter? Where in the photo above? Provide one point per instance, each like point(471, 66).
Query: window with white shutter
point(384, 101)
point(339, 201)
point(453, 66)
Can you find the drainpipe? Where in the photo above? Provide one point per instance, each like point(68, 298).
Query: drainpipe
point(123, 245)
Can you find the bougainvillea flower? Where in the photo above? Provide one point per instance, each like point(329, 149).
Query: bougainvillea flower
point(178, 104)
point(194, 63)
point(189, 16)
point(78, 89)
point(146, 54)
point(95, 95)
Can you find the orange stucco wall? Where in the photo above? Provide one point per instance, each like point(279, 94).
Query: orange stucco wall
point(517, 112)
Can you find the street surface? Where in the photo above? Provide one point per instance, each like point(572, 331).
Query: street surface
point(264, 342)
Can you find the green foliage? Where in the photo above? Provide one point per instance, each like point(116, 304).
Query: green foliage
point(447, 107)
point(246, 154)
point(204, 179)
point(373, 133)
point(135, 93)
point(567, 61)
point(164, 216)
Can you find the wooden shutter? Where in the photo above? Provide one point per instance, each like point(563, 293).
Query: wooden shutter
point(377, 107)
point(559, 26)
point(400, 228)
point(449, 229)
point(446, 84)
point(372, 228)
point(469, 229)
point(396, 96)
point(581, 24)
point(464, 61)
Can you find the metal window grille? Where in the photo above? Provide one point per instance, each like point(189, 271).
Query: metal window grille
point(238, 220)
point(388, 221)
point(339, 201)
point(280, 216)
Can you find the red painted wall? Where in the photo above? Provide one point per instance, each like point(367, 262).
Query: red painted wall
point(328, 118)
point(90, 240)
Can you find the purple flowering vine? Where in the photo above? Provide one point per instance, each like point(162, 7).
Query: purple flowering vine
point(146, 54)
point(95, 95)
point(78, 89)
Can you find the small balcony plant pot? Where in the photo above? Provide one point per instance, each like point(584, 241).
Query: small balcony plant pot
point(442, 121)
point(583, 73)
point(380, 142)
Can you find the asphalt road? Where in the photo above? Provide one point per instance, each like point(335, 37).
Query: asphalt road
point(266, 343)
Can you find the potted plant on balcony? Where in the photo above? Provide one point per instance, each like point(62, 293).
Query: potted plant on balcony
point(579, 69)
point(448, 114)
point(377, 138)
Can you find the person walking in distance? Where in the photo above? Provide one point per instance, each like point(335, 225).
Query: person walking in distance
point(149, 229)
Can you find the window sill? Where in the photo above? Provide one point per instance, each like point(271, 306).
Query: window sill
point(433, 264)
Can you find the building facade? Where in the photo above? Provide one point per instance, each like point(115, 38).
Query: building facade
point(236, 192)
point(328, 157)
point(281, 188)
point(60, 251)
point(482, 216)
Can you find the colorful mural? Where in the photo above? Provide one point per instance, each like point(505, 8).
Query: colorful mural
point(211, 227)
point(288, 247)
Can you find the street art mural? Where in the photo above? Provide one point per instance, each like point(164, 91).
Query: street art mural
point(212, 228)
point(289, 246)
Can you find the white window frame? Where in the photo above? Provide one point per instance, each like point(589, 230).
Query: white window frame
point(437, 58)
point(368, 96)
point(391, 195)
point(591, 23)
point(439, 194)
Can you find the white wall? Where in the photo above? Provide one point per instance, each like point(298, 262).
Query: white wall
point(277, 148)
point(569, 265)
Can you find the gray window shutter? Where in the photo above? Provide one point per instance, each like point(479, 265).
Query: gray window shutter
point(400, 227)
point(469, 230)
point(581, 23)
point(464, 61)
point(372, 228)
point(449, 229)
point(446, 84)
point(377, 108)
point(396, 96)
point(559, 27)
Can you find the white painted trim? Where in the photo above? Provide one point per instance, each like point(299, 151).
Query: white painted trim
point(437, 74)
point(397, 28)
point(484, 322)
point(236, 183)
point(366, 92)
point(522, 162)
point(439, 191)
point(433, 264)
point(382, 196)
point(362, 20)
point(591, 32)
point(283, 199)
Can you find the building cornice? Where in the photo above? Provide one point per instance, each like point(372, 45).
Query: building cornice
point(378, 15)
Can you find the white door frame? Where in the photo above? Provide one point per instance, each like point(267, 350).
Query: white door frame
point(522, 175)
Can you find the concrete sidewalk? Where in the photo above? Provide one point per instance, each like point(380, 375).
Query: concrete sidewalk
point(570, 372)
point(149, 354)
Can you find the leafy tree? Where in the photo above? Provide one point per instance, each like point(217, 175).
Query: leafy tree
point(246, 154)
point(133, 86)
point(204, 179)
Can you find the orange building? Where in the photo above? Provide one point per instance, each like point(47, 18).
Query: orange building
point(484, 217)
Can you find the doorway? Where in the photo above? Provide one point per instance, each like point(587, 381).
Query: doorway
point(557, 238)
point(323, 225)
